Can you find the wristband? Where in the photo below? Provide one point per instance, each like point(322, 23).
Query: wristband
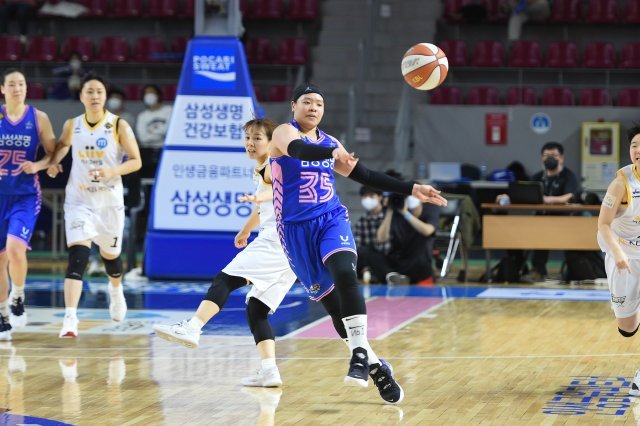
point(407, 215)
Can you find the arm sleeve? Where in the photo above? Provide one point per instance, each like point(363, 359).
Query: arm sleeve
point(304, 151)
point(379, 180)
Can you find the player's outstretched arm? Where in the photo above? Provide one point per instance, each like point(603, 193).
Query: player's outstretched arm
point(286, 141)
point(616, 193)
point(384, 182)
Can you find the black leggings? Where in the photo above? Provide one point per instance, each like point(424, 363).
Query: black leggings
point(223, 285)
point(257, 313)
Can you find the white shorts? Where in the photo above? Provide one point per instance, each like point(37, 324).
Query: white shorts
point(265, 265)
point(102, 226)
point(624, 287)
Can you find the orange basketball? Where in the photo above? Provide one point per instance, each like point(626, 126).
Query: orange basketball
point(425, 66)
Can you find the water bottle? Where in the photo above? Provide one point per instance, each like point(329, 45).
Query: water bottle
point(483, 172)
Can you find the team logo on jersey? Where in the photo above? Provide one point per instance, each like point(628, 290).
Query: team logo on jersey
point(214, 67)
point(618, 300)
point(25, 232)
point(314, 288)
point(90, 153)
point(345, 240)
point(29, 125)
point(108, 126)
point(102, 143)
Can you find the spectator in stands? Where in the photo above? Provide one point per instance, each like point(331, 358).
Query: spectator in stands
point(22, 10)
point(115, 104)
point(73, 73)
point(520, 11)
point(372, 265)
point(151, 128)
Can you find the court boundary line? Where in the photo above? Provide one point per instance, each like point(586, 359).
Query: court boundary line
point(414, 318)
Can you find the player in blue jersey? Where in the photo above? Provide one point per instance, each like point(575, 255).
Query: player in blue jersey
point(22, 129)
point(315, 231)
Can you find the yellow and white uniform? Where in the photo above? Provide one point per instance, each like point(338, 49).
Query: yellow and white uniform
point(623, 285)
point(263, 261)
point(94, 210)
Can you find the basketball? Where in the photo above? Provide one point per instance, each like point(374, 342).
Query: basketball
point(425, 66)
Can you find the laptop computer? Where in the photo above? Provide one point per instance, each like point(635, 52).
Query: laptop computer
point(525, 192)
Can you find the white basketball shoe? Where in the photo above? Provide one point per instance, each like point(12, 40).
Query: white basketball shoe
point(180, 332)
point(118, 305)
point(69, 327)
point(635, 385)
point(264, 377)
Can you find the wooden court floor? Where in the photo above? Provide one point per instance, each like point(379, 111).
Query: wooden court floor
point(470, 361)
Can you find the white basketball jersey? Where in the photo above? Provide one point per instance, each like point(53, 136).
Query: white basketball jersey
point(626, 227)
point(92, 148)
point(267, 214)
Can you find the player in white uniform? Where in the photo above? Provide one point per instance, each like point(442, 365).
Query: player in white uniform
point(262, 263)
point(619, 238)
point(94, 201)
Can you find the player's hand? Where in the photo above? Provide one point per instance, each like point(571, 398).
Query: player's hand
point(241, 239)
point(100, 174)
point(28, 167)
point(428, 194)
point(622, 262)
point(248, 198)
point(53, 171)
point(341, 154)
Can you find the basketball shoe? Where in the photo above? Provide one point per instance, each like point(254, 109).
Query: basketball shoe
point(118, 305)
point(69, 327)
point(5, 328)
point(264, 377)
point(358, 374)
point(18, 316)
point(635, 385)
point(180, 332)
point(382, 376)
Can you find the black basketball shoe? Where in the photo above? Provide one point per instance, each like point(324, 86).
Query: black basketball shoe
point(18, 316)
point(358, 374)
point(382, 376)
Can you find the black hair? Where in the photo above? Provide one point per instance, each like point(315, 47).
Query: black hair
point(267, 125)
point(552, 145)
point(11, 71)
point(156, 89)
point(91, 76)
point(633, 131)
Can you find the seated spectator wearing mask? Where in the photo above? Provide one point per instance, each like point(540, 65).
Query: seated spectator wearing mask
point(115, 104)
point(151, 128)
point(372, 265)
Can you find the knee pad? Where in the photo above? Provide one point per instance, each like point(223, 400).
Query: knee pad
point(223, 284)
point(628, 333)
point(257, 313)
point(113, 267)
point(78, 260)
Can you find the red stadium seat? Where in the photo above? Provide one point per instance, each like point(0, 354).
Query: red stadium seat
point(562, 54)
point(36, 91)
point(483, 96)
point(488, 53)
point(629, 97)
point(304, 9)
point(97, 8)
point(602, 12)
point(452, 10)
point(279, 93)
point(258, 50)
point(525, 53)
point(456, 51)
point(258, 93)
point(599, 54)
point(169, 92)
point(161, 8)
point(558, 96)
point(179, 47)
point(188, 9)
point(10, 48)
point(126, 8)
point(80, 45)
point(113, 49)
point(521, 96)
point(42, 49)
point(149, 49)
point(446, 95)
point(266, 9)
point(595, 97)
point(133, 92)
point(631, 12)
point(565, 11)
point(630, 56)
point(292, 51)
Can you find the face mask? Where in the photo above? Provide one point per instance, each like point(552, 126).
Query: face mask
point(550, 163)
point(370, 203)
point(150, 99)
point(114, 104)
point(412, 202)
point(75, 64)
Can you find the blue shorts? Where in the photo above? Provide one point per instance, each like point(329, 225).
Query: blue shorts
point(18, 216)
point(309, 244)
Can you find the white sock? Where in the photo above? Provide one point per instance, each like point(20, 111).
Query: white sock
point(17, 291)
point(115, 290)
point(356, 326)
point(4, 308)
point(71, 312)
point(268, 363)
point(196, 323)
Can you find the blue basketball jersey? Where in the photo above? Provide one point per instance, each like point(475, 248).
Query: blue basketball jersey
point(303, 190)
point(19, 142)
